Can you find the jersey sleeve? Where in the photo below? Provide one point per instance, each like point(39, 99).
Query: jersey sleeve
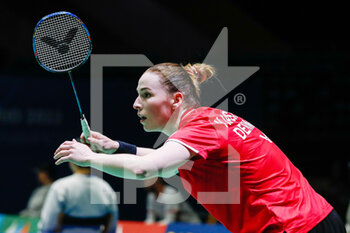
point(200, 138)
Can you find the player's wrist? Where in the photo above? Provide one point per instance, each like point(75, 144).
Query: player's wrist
point(89, 159)
point(114, 147)
point(124, 147)
point(94, 160)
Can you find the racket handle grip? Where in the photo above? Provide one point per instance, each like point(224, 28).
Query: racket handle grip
point(86, 130)
point(85, 127)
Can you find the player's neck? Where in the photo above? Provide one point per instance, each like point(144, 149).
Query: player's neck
point(174, 122)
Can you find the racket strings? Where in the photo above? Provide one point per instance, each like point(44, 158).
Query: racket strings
point(53, 49)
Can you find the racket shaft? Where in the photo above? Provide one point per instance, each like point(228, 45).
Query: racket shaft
point(76, 97)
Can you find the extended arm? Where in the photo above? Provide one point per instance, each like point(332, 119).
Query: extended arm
point(161, 162)
point(141, 151)
point(109, 146)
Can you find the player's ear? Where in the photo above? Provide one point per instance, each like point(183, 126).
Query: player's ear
point(177, 100)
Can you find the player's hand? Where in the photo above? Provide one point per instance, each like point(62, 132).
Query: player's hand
point(102, 144)
point(73, 151)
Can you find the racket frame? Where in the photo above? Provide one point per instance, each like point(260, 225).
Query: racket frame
point(34, 40)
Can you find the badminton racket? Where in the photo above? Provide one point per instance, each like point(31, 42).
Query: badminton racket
point(62, 43)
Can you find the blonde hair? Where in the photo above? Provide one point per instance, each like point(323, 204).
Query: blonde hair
point(185, 79)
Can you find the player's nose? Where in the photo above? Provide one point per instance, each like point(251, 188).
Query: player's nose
point(137, 105)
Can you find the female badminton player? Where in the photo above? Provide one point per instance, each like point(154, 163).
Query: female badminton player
point(233, 169)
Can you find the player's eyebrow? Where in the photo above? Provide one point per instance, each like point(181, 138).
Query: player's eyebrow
point(143, 88)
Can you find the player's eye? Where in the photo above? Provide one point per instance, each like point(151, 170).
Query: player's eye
point(146, 95)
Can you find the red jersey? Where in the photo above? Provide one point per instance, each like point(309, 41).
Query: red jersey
point(242, 178)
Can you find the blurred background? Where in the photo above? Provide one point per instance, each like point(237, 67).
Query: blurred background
point(299, 97)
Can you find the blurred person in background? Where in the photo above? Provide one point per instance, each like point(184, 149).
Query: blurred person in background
point(69, 206)
point(347, 220)
point(165, 204)
point(45, 175)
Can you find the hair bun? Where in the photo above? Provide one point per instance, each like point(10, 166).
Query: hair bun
point(200, 72)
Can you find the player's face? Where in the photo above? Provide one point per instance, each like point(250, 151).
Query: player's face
point(153, 103)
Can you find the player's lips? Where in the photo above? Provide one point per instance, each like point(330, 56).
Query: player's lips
point(142, 118)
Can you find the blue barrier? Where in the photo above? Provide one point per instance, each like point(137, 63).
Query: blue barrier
point(196, 228)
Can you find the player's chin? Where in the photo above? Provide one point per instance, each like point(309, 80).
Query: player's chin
point(148, 128)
